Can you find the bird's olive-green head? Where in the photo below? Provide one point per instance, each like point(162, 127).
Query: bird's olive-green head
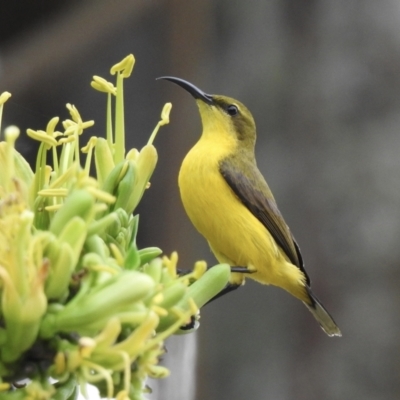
point(222, 115)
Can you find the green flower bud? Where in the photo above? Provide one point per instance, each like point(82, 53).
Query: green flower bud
point(209, 284)
point(148, 254)
point(104, 160)
point(78, 203)
point(117, 293)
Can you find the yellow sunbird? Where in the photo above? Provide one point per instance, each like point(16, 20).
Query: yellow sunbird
point(230, 204)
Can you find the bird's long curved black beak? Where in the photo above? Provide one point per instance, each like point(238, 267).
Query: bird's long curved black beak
point(189, 87)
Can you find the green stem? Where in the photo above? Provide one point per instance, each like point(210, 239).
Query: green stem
point(109, 123)
point(119, 121)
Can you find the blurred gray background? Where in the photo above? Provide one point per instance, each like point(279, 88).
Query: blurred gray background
point(322, 78)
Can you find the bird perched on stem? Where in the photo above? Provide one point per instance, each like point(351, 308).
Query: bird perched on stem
point(230, 204)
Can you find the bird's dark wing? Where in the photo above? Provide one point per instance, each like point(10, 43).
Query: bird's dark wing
point(252, 190)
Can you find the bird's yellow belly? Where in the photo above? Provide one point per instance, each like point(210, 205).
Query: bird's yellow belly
point(234, 234)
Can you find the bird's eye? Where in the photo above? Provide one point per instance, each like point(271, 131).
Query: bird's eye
point(232, 110)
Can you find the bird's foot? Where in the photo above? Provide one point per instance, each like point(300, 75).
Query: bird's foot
point(243, 270)
point(230, 287)
point(193, 324)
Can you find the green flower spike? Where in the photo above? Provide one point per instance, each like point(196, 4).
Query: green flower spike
point(76, 291)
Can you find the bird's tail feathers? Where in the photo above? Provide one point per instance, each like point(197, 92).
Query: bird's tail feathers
point(322, 316)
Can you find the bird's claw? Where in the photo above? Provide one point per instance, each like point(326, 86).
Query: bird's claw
point(243, 270)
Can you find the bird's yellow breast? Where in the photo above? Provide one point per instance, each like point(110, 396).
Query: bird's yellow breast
point(235, 235)
point(205, 194)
